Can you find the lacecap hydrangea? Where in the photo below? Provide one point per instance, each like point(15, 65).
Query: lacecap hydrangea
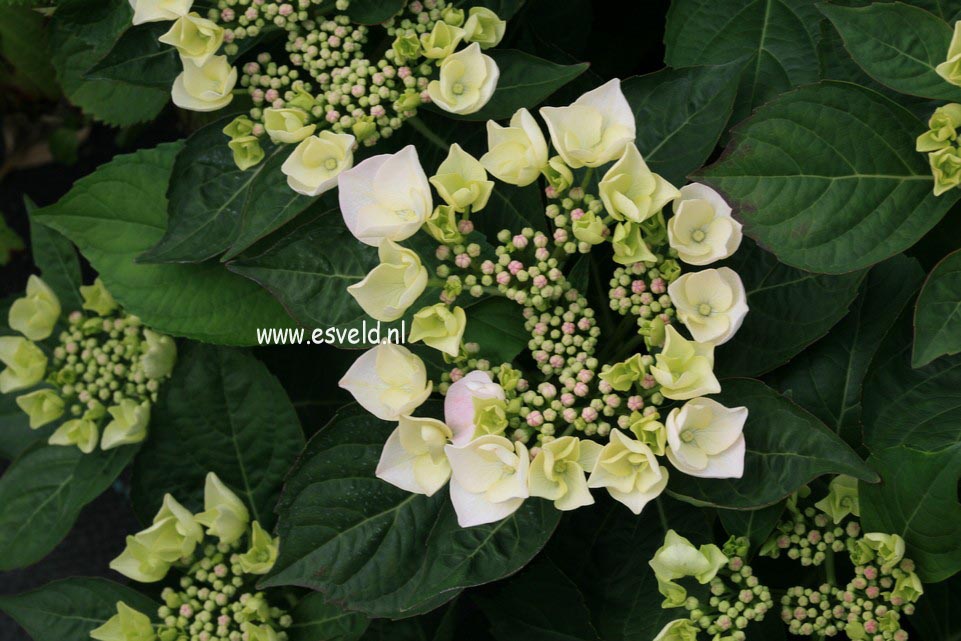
point(593, 413)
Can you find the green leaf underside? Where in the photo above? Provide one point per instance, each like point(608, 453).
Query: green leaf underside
point(680, 115)
point(116, 213)
point(42, 493)
point(771, 335)
point(215, 207)
point(827, 379)
point(68, 610)
point(776, 39)
point(827, 178)
point(222, 412)
point(340, 526)
point(937, 318)
point(898, 45)
point(786, 448)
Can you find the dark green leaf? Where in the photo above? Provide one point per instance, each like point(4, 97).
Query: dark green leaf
point(498, 325)
point(57, 260)
point(605, 549)
point(26, 52)
point(681, 114)
point(68, 610)
point(215, 207)
point(776, 38)
point(221, 412)
point(918, 408)
point(938, 614)
point(82, 32)
point(918, 499)
point(15, 433)
point(139, 58)
point(937, 317)
point(827, 178)
point(340, 527)
point(898, 45)
point(374, 11)
point(756, 525)
point(538, 604)
point(316, 620)
point(42, 493)
point(786, 448)
point(119, 211)
point(770, 336)
point(309, 272)
point(525, 81)
point(505, 9)
point(826, 379)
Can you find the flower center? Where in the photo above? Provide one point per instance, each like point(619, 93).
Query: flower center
point(330, 164)
point(698, 235)
point(458, 88)
point(405, 214)
point(687, 436)
point(704, 309)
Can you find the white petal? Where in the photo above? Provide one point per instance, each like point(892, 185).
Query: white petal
point(473, 509)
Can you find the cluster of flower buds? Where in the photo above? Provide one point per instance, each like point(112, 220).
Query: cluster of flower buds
point(883, 589)
point(735, 598)
point(329, 94)
point(102, 376)
point(215, 601)
point(589, 424)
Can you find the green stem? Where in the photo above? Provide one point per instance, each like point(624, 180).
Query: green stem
point(587, 178)
point(427, 133)
point(662, 514)
point(829, 568)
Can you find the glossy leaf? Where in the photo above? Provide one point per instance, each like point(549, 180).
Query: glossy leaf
point(918, 408)
point(937, 317)
point(606, 550)
point(316, 620)
point(59, 265)
point(120, 210)
point(770, 337)
point(776, 39)
point(827, 178)
point(373, 11)
point(139, 58)
point(898, 45)
point(918, 500)
point(681, 114)
point(339, 525)
point(81, 33)
point(827, 378)
point(497, 324)
point(71, 608)
point(42, 493)
point(756, 525)
point(221, 412)
point(215, 207)
point(786, 448)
